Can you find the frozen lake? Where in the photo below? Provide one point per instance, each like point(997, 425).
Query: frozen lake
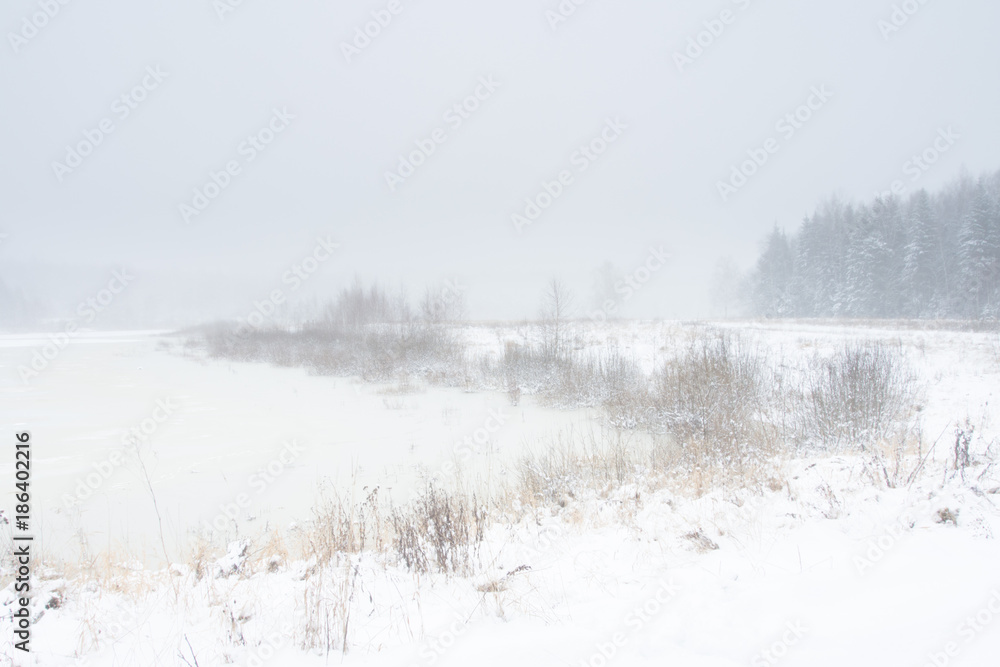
point(214, 435)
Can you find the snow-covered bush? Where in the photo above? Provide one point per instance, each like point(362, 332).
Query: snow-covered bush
point(714, 399)
point(568, 379)
point(858, 397)
point(377, 352)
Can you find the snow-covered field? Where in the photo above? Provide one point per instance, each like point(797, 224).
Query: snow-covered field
point(824, 567)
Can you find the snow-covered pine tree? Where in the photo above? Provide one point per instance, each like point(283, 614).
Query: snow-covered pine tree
point(773, 277)
point(977, 257)
point(936, 256)
point(922, 275)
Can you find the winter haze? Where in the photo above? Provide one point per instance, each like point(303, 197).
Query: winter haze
point(548, 333)
point(558, 81)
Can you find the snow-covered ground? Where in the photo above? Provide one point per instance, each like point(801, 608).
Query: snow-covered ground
point(824, 568)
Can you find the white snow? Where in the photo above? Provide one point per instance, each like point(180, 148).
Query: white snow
point(824, 569)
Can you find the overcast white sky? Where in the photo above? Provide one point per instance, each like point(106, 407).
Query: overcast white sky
point(325, 173)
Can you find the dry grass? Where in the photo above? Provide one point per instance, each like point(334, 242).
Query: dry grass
point(343, 525)
point(376, 352)
point(439, 532)
point(715, 401)
point(327, 600)
point(563, 379)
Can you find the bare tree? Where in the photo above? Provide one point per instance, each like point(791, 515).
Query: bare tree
point(358, 306)
point(557, 305)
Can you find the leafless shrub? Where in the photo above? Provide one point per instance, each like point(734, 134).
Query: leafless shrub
point(573, 464)
point(358, 306)
point(367, 332)
point(607, 378)
point(377, 352)
point(714, 400)
point(526, 367)
point(858, 397)
point(597, 379)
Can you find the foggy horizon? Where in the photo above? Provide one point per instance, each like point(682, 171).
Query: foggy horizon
point(209, 77)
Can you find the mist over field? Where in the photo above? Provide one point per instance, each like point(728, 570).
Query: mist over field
point(692, 91)
point(549, 332)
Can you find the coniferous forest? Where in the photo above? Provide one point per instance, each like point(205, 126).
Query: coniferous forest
point(927, 255)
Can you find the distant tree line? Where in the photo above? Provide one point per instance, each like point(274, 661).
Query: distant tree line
point(15, 309)
point(925, 256)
